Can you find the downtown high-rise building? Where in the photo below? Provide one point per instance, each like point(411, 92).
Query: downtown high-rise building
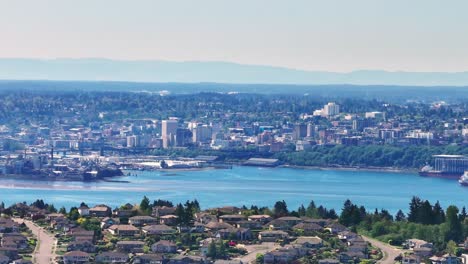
point(169, 131)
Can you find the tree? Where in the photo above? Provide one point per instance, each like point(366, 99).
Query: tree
point(301, 210)
point(145, 205)
point(212, 252)
point(222, 252)
point(180, 213)
point(400, 216)
point(414, 214)
point(438, 214)
point(280, 209)
point(63, 210)
point(454, 228)
point(259, 258)
point(452, 248)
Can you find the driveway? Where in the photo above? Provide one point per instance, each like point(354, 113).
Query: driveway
point(45, 253)
point(389, 252)
point(253, 250)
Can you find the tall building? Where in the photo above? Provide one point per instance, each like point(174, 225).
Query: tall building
point(183, 137)
point(202, 133)
point(360, 124)
point(331, 109)
point(300, 131)
point(310, 130)
point(169, 130)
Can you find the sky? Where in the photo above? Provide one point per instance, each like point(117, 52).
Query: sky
point(328, 35)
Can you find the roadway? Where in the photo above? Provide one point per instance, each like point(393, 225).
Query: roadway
point(389, 252)
point(45, 251)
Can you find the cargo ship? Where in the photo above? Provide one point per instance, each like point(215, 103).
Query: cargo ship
point(446, 166)
point(464, 179)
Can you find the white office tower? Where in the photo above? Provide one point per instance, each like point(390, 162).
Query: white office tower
point(169, 130)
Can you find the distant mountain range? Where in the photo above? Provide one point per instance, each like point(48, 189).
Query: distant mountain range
point(214, 72)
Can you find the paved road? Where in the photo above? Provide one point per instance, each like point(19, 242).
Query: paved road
point(253, 250)
point(389, 252)
point(45, 254)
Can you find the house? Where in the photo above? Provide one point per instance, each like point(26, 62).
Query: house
point(320, 222)
point(51, 217)
point(249, 224)
point(168, 219)
point(15, 240)
point(260, 218)
point(179, 259)
point(101, 210)
point(309, 242)
point(83, 210)
point(347, 235)
point(8, 226)
point(283, 223)
point(272, 236)
point(112, 257)
point(215, 226)
point(61, 223)
point(281, 255)
point(336, 228)
point(158, 230)
point(308, 228)
point(75, 257)
point(445, 259)
point(235, 234)
point(231, 219)
point(417, 243)
point(150, 259)
point(204, 217)
point(85, 246)
point(348, 256)
point(410, 259)
point(123, 213)
point(130, 246)
point(159, 211)
point(107, 221)
point(164, 246)
point(141, 220)
point(123, 230)
point(423, 252)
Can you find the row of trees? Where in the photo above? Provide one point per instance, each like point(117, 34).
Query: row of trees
point(369, 155)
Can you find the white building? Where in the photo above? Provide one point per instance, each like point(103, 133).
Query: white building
point(331, 109)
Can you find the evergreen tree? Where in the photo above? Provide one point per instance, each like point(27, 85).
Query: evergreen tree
point(301, 210)
point(454, 228)
point(415, 205)
point(63, 210)
point(212, 252)
point(280, 209)
point(180, 213)
point(222, 252)
point(463, 214)
point(145, 205)
point(438, 214)
point(400, 216)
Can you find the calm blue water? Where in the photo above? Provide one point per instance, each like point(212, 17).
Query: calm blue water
point(246, 186)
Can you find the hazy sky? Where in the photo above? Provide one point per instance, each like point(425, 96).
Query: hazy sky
point(410, 35)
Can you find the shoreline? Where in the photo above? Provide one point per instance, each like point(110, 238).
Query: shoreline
point(344, 168)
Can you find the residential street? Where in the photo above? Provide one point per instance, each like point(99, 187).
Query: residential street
point(253, 250)
point(389, 252)
point(47, 243)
